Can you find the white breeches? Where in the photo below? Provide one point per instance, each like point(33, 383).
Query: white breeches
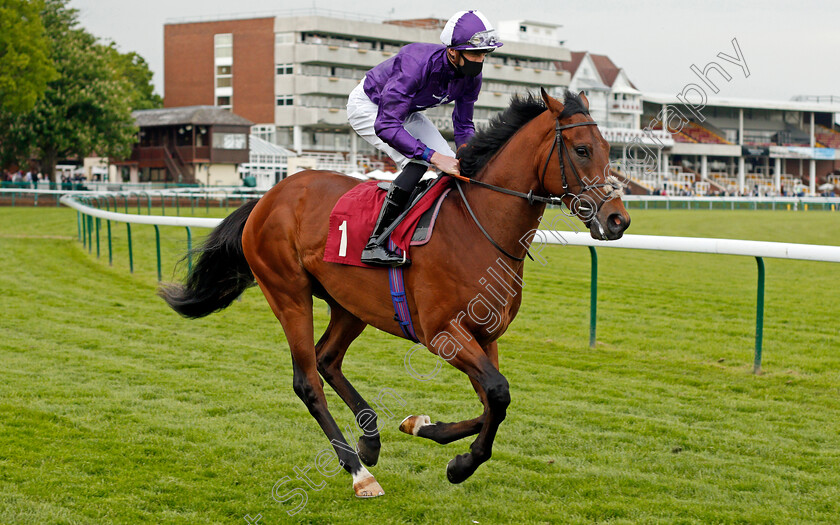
point(361, 113)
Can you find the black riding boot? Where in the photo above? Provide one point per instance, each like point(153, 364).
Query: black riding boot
point(378, 254)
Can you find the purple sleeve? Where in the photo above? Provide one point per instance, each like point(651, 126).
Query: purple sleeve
point(395, 105)
point(462, 115)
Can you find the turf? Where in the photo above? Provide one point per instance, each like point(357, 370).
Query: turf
point(115, 410)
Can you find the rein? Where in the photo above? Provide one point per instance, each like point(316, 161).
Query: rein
point(559, 144)
point(480, 227)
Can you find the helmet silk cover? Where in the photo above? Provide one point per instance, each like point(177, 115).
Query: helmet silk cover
point(470, 30)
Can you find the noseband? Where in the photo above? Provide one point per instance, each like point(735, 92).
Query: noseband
point(583, 206)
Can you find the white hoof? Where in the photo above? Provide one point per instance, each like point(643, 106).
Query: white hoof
point(413, 424)
point(365, 485)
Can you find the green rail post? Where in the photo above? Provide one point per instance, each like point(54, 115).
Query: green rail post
point(79, 223)
point(125, 202)
point(206, 203)
point(84, 230)
point(162, 203)
point(189, 249)
point(759, 316)
point(110, 249)
point(138, 202)
point(130, 251)
point(157, 242)
point(177, 204)
point(149, 200)
point(593, 296)
point(97, 237)
point(90, 233)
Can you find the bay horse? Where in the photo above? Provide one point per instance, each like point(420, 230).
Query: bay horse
point(538, 151)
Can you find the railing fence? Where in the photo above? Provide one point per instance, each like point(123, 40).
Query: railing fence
point(89, 217)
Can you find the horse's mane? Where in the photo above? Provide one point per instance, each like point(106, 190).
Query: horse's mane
point(522, 110)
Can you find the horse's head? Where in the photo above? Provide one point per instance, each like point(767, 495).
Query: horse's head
point(577, 168)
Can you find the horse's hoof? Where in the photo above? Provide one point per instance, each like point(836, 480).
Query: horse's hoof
point(459, 469)
point(366, 486)
point(368, 455)
point(413, 424)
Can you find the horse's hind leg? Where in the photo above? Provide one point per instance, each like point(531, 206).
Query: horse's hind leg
point(344, 327)
point(290, 297)
point(444, 433)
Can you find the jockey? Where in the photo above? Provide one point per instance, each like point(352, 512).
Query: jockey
point(385, 110)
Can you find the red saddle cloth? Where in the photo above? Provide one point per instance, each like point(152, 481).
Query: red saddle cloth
point(354, 216)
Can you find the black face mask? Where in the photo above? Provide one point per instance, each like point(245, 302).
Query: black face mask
point(470, 68)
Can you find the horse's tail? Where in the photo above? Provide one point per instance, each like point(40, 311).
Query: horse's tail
point(220, 273)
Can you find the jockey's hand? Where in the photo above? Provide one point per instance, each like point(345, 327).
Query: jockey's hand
point(446, 164)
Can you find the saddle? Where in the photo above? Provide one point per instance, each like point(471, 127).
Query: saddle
point(354, 216)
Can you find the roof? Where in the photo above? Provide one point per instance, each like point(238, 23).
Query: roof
point(198, 115)
point(422, 23)
point(263, 147)
point(536, 23)
point(572, 65)
point(660, 98)
point(606, 68)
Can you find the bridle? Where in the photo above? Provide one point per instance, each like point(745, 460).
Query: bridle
point(583, 205)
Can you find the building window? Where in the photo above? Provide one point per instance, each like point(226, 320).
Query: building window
point(285, 100)
point(223, 57)
point(284, 38)
point(285, 69)
point(230, 141)
point(224, 45)
point(267, 132)
point(224, 76)
point(523, 29)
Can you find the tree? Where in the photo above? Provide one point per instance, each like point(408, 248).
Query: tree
point(134, 69)
point(86, 109)
point(25, 65)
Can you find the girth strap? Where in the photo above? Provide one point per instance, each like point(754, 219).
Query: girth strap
point(403, 314)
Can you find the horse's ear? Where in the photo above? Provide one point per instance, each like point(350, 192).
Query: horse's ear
point(584, 99)
point(554, 105)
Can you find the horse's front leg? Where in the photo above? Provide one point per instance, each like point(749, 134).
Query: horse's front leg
point(444, 433)
point(472, 360)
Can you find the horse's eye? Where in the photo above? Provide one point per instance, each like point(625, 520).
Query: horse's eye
point(581, 151)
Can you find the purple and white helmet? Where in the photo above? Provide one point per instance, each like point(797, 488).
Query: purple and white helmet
point(470, 30)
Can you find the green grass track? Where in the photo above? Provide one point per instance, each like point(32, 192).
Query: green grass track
point(113, 409)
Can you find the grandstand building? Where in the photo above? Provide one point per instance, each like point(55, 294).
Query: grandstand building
point(616, 105)
point(740, 146)
point(291, 75)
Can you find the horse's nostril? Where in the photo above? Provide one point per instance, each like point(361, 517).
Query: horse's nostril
point(615, 222)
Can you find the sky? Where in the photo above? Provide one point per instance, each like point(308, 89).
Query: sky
point(790, 48)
